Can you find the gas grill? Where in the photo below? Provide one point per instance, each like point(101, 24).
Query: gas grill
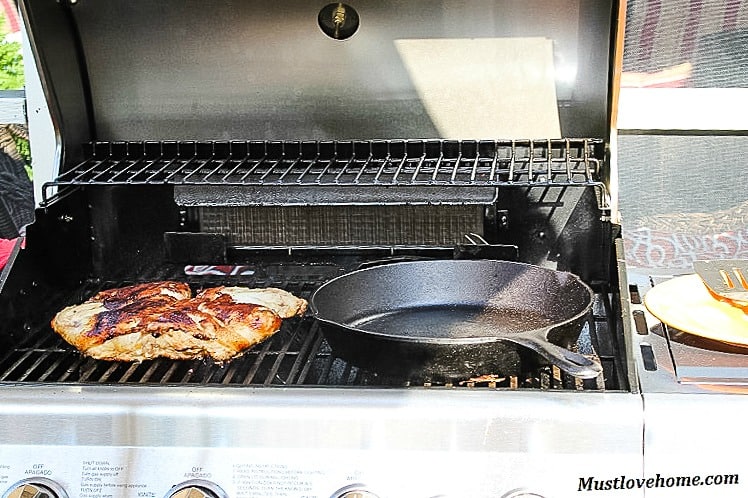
point(236, 143)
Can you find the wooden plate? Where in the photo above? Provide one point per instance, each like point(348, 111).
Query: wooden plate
point(686, 304)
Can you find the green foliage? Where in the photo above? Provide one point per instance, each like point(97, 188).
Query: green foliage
point(23, 148)
point(12, 78)
point(11, 61)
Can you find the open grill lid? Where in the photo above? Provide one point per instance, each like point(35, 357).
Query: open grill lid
point(136, 70)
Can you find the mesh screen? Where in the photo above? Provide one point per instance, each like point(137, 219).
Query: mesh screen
point(683, 198)
point(708, 35)
point(343, 225)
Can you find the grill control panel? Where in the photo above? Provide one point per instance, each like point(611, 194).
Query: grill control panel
point(46, 488)
point(225, 472)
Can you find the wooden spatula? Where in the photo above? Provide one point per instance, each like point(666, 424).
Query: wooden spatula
point(726, 278)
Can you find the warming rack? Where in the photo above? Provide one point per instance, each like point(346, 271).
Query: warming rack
point(385, 163)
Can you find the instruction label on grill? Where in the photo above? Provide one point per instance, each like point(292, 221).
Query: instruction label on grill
point(4, 473)
point(271, 479)
point(101, 479)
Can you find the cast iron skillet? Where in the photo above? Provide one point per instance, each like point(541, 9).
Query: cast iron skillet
point(454, 317)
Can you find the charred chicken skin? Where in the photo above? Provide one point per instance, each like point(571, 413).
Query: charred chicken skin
point(162, 319)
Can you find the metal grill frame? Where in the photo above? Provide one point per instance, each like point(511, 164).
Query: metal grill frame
point(386, 163)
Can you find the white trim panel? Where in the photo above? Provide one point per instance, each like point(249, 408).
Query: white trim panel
point(683, 109)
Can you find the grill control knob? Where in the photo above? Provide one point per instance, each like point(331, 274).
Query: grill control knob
point(353, 491)
point(36, 487)
point(521, 493)
point(196, 488)
point(358, 494)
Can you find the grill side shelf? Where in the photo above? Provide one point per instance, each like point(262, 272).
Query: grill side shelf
point(395, 171)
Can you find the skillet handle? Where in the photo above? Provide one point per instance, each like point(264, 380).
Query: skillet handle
point(570, 362)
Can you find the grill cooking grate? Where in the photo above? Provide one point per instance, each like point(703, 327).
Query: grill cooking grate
point(303, 359)
point(296, 356)
point(359, 163)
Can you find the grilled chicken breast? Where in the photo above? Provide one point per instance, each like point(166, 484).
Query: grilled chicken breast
point(278, 300)
point(162, 319)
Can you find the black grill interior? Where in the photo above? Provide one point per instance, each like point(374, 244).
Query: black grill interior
point(294, 215)
point(296, 356)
